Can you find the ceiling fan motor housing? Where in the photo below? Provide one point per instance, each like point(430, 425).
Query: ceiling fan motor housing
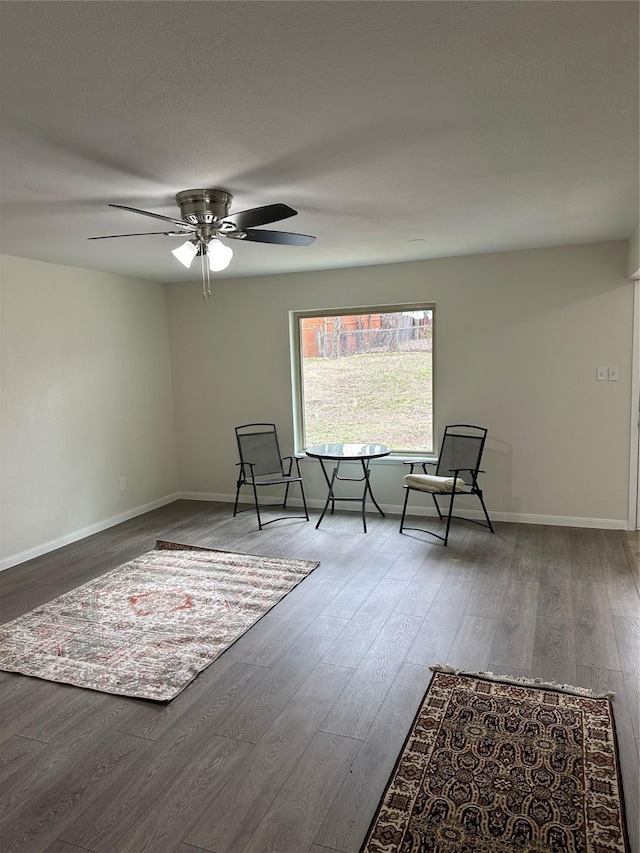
point(202, 207)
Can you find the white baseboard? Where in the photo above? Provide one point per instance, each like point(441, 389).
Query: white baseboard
point(396, 509)
point(75, 535)
point(205, 496)
point(559, 520)
point(391, 509)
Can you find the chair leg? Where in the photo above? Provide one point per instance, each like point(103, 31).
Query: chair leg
point(235, 506)
point(449, 515)
point(486, 514)
point(404, 508)
point(304, 500)
point(255, 497)
point(286, 491)
point(437, 506)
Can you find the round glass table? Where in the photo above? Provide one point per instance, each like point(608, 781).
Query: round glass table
point(339, 453)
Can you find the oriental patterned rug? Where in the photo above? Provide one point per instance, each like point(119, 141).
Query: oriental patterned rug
point(148, 627)
point(502, 766)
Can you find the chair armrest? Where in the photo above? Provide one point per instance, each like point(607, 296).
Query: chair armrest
point(244, 465)
point(292, 459)
point(413, 464)
point(417, 462)
point(474, 475)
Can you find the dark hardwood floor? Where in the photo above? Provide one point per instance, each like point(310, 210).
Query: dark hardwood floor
point(285, 743)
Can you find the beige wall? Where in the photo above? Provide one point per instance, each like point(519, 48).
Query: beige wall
point(87, 383)
point(633, 255)
point(86, 399)
point(519, 336)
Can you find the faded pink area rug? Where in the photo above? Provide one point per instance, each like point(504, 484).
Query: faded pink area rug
point(147, 628)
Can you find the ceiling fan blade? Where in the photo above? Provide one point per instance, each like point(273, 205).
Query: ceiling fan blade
point(259, 216)
point(141, 234)
point(283, 238)
point(177, 222)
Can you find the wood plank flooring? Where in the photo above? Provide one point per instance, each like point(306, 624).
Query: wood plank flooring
point(286, 742)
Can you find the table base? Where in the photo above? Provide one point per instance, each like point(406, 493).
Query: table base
point(332, 497)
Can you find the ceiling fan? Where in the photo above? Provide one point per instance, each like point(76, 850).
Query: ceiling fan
point(205, 218)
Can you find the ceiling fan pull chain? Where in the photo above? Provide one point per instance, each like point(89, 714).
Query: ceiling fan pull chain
point(204, 282)
point(206, 278)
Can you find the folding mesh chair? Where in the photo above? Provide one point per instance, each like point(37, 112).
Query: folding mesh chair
point(261, 464)
point(457, 470)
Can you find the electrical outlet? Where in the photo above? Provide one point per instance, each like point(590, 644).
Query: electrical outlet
point(123, 484)
point(613, 374)
point(601, 373)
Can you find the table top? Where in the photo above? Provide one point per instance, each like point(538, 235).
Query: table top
point(348, 451)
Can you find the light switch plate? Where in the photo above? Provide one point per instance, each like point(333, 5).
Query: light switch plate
point(613, 374)
point(601, 373)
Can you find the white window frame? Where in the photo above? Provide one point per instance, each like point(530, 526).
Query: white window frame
point(296, 365)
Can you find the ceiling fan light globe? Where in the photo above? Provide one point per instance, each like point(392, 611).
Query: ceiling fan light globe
point(219, 255)
point(185, 253)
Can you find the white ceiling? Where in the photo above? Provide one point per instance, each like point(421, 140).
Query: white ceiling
point(398, 130)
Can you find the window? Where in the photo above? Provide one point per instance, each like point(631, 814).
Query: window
point(365, 375)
